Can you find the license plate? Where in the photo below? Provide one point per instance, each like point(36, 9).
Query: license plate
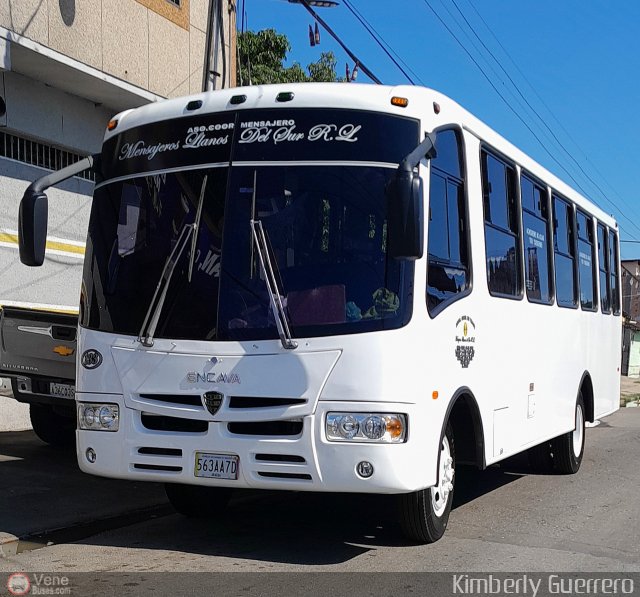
point(62, 390)
point(216, 466)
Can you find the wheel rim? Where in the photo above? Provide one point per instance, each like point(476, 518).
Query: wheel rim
point(578, 434)
point(441, 492)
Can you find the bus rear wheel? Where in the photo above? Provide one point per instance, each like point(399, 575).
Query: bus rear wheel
point(568, 449)
point(194, 501)
point(541, 458)
point(424, 514)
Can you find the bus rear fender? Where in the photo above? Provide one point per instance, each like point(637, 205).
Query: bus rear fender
point(586, 386)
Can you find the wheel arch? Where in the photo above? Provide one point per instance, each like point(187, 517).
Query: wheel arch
point(468, 431)
point(586, 387)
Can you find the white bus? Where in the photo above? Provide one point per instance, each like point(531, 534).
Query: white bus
point(331, 287)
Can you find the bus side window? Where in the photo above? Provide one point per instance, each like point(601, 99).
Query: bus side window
point(448, 255)
point(501, 229)
point(614, 272)
point(565, 253)
point(586, 270)
point(603, 265)
point(537, 249)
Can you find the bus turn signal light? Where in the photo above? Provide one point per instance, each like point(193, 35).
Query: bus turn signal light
point(401, 102)
point(112, 124)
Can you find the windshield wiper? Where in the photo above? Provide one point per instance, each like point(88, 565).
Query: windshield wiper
point(150, 323)
point(194, 240)
point(279, 312)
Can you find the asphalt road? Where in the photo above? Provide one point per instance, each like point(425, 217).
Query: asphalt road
point(504, 519)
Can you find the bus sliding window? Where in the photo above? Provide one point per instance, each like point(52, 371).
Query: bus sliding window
point(447, 246)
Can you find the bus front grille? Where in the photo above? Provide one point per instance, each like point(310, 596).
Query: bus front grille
point(163, 423)
point(292, 427)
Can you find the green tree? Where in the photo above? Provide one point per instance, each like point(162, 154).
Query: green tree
point(261, 60)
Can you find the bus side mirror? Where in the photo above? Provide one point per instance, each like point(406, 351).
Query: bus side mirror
point(32, 227)
point(405, 216)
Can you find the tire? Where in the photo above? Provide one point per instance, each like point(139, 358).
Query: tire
point(194, 501)
point(568, 449)
point(52, 427)
point(540, 458)
point(424, 514)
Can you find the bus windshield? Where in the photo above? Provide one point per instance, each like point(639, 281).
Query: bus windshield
point(325, 226)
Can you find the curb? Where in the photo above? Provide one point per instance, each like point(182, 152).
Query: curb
point(8, 545)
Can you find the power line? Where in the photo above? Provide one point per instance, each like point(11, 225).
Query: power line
point(542, 120)
point(330, 31)
point(377, 38)
point(477, 64)
point(500, 94)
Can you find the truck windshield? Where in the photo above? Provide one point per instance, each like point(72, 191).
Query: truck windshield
point(316, 182)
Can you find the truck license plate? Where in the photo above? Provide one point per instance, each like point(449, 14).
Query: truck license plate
point(62, 390)
point(216, 466)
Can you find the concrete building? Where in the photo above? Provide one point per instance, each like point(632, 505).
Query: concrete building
point(631, 314)
point(66, 66)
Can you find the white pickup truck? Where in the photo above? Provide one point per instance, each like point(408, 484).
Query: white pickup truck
point(38, 354)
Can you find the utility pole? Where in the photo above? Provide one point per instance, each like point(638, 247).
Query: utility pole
point(220, 46)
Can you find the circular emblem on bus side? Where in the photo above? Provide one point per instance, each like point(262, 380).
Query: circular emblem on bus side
point(91, 359)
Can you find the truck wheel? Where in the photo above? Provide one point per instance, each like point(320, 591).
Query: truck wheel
point(424, 514)
point(51, 427)
point(569, 448)
point(194, 501)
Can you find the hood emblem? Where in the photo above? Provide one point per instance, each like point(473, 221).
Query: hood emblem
point(212, 401)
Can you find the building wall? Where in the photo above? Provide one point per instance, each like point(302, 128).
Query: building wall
point(42, 112)
point(150, 43)
point(631, 353)
point(631, 289)
point(147, 49)
point(57, 282)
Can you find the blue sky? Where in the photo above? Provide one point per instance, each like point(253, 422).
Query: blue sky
point(581, 66)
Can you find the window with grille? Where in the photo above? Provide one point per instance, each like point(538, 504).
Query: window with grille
point(36, 153)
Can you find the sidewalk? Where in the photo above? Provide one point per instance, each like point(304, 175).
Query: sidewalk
point(629, 386)
point(14, 416)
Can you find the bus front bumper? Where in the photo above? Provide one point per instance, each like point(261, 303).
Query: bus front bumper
point(302, 460)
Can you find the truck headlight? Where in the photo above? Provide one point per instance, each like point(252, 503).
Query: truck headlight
point(388, 428)
point(98, 417)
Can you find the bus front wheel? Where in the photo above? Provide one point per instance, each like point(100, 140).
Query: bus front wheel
point(194, 501)
point(424, 514)
point(568, 448)
point(51, 427)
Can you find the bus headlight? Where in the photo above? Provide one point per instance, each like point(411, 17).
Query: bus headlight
point(366, 427)
point(98, 417)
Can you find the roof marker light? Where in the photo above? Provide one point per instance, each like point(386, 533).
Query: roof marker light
point(436, 107)
point(285, 96)
point(194, 105)
point(112, 124)
point(238, 99)
point(401, 102)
